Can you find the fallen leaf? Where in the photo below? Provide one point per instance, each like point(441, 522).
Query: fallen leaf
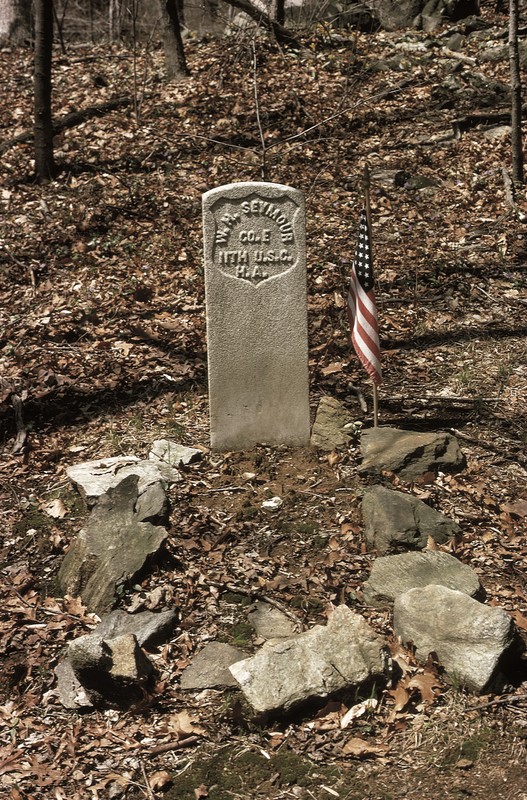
point(464, 763)
point(401, 697)
point(520, 620)
point(426, 684)
point(183, 725)
point(331, 369)
point(55, 509)
point(358, 711)
point(518, 507)
point(362, 748)
point(159, 780)
point(431, 544)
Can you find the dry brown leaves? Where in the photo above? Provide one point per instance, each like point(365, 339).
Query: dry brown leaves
point(102, 337)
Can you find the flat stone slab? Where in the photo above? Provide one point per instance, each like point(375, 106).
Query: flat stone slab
point(409, 454)
point(398, 521)
point(393, 575)
point(173, 454)
point(344, 653)
point(468, 637)
point(94, 478)
point(150, 628)
point(112, 547)
point(270, 622)
point(256, 299)
point(210, 667)
point(70, 690)
point(329, 429)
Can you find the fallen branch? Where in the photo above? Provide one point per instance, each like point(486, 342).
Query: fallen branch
point(177, 745)
point(21, 438)
point(452, 54)
point(254, 594)
point(69, 121)
point(509, 699)
point(440, 399)
point(281, 34)
point(463, 124)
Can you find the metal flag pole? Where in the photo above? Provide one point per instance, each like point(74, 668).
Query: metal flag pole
point(367, 206)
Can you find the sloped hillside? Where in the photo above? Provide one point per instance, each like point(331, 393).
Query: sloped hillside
point(103, 350)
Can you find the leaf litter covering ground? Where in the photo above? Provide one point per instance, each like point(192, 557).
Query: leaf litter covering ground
point(103, 340)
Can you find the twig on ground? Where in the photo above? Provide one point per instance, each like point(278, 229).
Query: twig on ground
point(509, 699)
point(21, 438)
point(256, 595)
point(149, 792)
point(176, 745)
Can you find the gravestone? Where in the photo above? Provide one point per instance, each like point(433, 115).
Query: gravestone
point(255, 286)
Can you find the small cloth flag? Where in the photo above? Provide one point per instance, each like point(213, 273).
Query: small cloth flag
point(362, 310)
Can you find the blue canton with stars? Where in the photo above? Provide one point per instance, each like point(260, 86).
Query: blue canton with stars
point(363, 265)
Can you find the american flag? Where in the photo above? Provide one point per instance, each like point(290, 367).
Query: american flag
point(362, 310)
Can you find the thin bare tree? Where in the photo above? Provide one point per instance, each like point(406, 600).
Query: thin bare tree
point(516, 92)
point(45, 168)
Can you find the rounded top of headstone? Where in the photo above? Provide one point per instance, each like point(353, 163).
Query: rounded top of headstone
point(243, 188)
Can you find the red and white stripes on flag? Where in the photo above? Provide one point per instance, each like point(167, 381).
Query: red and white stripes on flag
point(362, 310)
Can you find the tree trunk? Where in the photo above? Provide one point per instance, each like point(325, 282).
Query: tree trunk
point(281, 34)
point(115, 20)
point(15, 21)
point(175, 61)
point(516, 92)
point(44, 162)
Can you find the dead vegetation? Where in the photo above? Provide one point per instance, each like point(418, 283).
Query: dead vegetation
point(103, 343)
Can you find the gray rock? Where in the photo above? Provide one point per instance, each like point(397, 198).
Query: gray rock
point(109, 661)
point(456, 42)
point(409, 454)
point(70, 690)
point(111, 549)
point(468, 637)
point(419, 182)
point(149, 628)
point(173, 454)
point(108, 671)
point(397, 521)
point(394, 575)
point(94, 478)
point(210, 667)
point(129, 663)
point(328, 432)
point(426, 14)
point(271, 623)
point(500, 52)
point(89, 654)
point(152, 505)
point(343, 654)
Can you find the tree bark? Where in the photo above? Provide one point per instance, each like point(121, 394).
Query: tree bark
point(45, 168)
point(281, 34)
point(15, 21)
point(516, 93)
point(175, 61)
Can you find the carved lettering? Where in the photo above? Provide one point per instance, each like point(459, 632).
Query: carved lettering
point(254, 238)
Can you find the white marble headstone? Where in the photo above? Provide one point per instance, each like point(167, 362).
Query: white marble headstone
point(255, 284)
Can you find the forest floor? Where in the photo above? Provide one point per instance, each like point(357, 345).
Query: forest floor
point(102, 340)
